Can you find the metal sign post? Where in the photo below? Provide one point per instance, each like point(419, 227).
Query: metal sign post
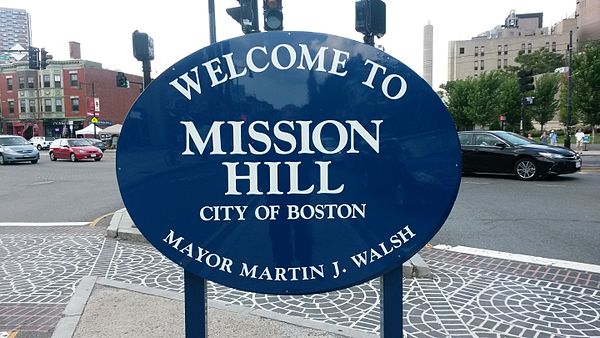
point(196, 309)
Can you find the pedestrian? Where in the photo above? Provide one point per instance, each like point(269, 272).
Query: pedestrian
point(544, 138)
point(530, 136)
point(579, 135)
point(553, 138)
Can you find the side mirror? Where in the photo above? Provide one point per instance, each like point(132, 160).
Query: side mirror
point(501, 145)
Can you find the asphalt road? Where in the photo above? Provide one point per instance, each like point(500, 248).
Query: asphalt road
point(58, 191)
point(555, 218)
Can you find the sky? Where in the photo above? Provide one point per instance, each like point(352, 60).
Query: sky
point(179, 28)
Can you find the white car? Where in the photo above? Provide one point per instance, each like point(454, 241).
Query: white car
point(41, 142)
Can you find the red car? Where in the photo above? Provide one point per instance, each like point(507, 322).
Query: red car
point(74, 149)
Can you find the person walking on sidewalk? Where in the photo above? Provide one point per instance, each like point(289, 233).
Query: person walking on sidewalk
point(544, 138)
point(579, 135)
point(553, 138)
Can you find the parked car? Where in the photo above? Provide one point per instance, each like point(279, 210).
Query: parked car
point(97, 143)
point(41, 142)
point(506, 152)
point(74, 149)
point(14, 148)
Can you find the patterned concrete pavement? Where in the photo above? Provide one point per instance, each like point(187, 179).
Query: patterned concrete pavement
point(469, 296)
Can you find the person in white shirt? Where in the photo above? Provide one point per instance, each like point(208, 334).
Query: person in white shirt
point(579, 135)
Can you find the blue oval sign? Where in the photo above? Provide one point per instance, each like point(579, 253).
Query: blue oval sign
point(288, 163)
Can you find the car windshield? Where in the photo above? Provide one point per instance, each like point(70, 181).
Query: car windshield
point(49, 139)
point(79, 143)
point(13, 141)
point(515, 139)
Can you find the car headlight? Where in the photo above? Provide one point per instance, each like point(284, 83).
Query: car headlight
point(81, 151)
point(9, 151)
point(552, 155)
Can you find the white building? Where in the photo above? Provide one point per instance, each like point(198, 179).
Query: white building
point(498, 48)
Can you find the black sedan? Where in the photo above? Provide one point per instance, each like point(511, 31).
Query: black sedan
point(510, 153)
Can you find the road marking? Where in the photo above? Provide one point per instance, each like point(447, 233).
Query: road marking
point(480, 183)
point(43, 224)
point(44, 182)
point(98, 219)
point(551, 185)
point(521, 258)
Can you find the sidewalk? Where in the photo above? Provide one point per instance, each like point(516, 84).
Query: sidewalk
point(463, 295)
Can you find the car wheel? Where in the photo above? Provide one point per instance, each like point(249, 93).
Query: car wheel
point(73, 158)
point(34, 161)
point(52, 157)
point(526, 169)
point(39, 146)
point(2, 162)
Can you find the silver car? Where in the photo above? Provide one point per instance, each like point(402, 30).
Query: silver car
point(15, 148)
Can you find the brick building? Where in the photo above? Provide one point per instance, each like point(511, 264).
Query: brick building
point(59, 100)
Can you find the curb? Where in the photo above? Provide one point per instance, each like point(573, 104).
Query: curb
point(67, 325)
point(122, 228)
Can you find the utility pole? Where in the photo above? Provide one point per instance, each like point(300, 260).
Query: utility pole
point(569, 92)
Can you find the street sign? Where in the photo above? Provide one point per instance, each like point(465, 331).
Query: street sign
point(93, 114)
point(288, 163)
point(94, 119)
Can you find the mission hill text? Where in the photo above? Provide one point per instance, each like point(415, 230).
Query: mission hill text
point(285, 137)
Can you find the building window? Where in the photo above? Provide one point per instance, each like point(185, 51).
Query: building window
point(523, 47)
point(529, 48)
point(11, 106)
point(547, 46)
point(499, 64)
point(23, 106)
point(482, 66)
point(32, 106)
point(476, 51)
point(21, 83)
point(58, 104)
point(476, 66)
point(9, 83)
point(47, 105)
point(30, 82)
point(505, 49)
point(74, 80)
point(75, 104)
point(554, 46)
point(461, 50)
point(46, 81)
point(57, 81)
point(505, 63)
point(499, 49)
point(482, 52)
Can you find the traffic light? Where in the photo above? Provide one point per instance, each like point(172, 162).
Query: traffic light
point(143, 46)
point(525, 80)
point(273, 15)
point(246, 15)
point(370, 17)
point(44, 57)
point(34, 58)
point(122, 81)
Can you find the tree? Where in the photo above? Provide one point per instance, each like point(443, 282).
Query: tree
point(458, 93)
point(586, 84)
point(541, 61)
point(545, 104)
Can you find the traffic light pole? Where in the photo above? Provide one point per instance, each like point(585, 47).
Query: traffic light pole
point(569, 92)
point(94, 100)
point(146, 68)
point(211, 21)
